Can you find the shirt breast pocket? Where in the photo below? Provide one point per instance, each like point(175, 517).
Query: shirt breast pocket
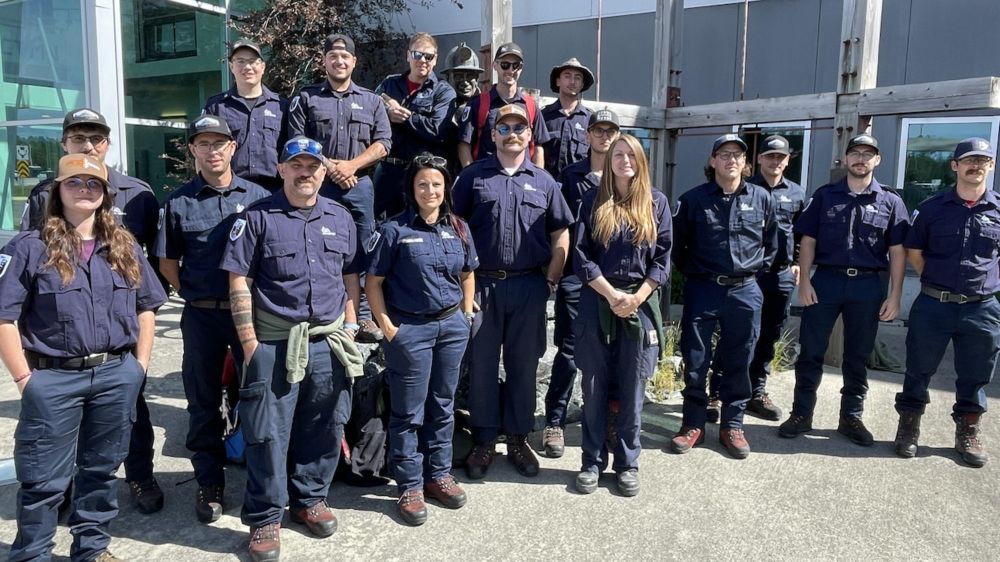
point(988, 240)
point(196, 232)
point(281, 260)
point(272, 129)
point(751, 226)
point(123, 298)
point(710, 222)
point(532, 208)
point(454, 253)
point(873, 226)
point(414, 249)
point(833, 228)
point(945, 241)
point(361, 125)
point(67, 303)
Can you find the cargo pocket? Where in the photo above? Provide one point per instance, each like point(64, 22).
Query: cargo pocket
point(253, 412)
point(28, 451)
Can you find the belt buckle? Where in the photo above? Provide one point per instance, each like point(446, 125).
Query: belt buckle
point(852, 272)
point(962, 299)
point(95, 359)
point(502, 274)
point(720, 279)
point(944, 296)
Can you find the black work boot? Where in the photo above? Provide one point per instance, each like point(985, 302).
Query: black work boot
point(854, 429)
point(907, 434)
point(762, 407)
point(967, 441)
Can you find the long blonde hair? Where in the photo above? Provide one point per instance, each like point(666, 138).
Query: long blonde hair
point(634, 212)
point(64, 242)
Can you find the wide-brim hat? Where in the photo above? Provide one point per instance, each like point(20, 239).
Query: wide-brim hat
point(588, 76)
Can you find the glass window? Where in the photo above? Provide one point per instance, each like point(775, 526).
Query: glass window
point(32, 152)
point(41, 48)
point(158, 155)
point(926, 147)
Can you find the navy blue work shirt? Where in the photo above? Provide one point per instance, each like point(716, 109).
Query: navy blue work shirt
point(432, 105)
point(854, 230)
point(622, 261)
point(567, 136)
point(576, 181)
point(135, 206)
point(422, 264)
point(297, 264)
point(259, 132)
point(96, 312)
point(197, 219)
point(959, 243)
point(719, 234)
point(345, 123)
point(789, 200)
point(469, 123)
point(511, 217)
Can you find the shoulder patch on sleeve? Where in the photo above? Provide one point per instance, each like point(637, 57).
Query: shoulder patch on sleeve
point(4, 262)
point(294, 104)
point(809, 202)
point(677, 209)
point(159, 219)
point(913, 217)
point(238, 227)
point(465, 113)
point(373, 241)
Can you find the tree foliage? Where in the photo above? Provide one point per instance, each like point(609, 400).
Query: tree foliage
point(293, 32)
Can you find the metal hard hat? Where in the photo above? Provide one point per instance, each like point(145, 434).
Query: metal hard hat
point(462, 57)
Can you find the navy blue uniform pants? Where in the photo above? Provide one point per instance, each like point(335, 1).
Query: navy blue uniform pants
point(563, 366)
point(292, 431)
point(139, 462)
point(359, 200)
point(858, 299)
point(511, 319)
point(736, 310)
point(625, 365)
point(82, 418)
point(389, 190)
point(208, 335)
point(974, 331)
point(777, 288)
point(422, 364)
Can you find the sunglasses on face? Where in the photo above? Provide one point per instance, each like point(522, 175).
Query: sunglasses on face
point(422, 56)
point(79, 184)
point(430, 161)
point(84, 139)
point(507, 65)
point(504, 129)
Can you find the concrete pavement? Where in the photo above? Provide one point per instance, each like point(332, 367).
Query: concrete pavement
point(817, 497)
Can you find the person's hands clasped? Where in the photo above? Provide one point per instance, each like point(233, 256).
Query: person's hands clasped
point(342, 173)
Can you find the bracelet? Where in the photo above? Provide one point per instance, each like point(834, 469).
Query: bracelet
point(22, 377)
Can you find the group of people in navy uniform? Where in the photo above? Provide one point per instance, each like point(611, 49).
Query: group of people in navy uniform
point(438, 221)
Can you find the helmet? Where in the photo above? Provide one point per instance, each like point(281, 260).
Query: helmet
point(462, 57)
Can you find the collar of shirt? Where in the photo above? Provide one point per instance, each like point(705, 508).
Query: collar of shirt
point(414, 220)
point(557, 108)
point(280, 204)
point(989, 198)
point(265, 94)
point(760, 180)
point(739, 191)
point(201, 186)
point(494, 162)
point(518, 95)
point(351, 89)
point(405, 75)
point(873, 187)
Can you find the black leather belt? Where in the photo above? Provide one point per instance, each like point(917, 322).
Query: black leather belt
point(396, 161)
point(948, 296)
point(216, 304)
point(439, 315)
point(39, 361)
point(851, 271)
point(727, 280)
point(506, 273)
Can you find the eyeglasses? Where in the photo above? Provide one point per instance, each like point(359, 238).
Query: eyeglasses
point(246, 62)
point(731, 155)
point(976, 161)
point(606, 132)
point(78, 184)
point(83, 139)
point(504, 129)
point(420, 55)
point(862, 155)
point(430, 161)
point(208, 147)
point(507, 65)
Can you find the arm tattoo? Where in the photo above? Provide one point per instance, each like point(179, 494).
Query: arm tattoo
point(241, 307)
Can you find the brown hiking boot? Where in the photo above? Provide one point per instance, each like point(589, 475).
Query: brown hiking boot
point(446, 491)
point(265, 543)
point(318, 517)
point(412, 507)
point(479, 461)
point(907, 433)
point(553, 442)
point(686, 438)
point(520, 455)
point(106, 556)
point(967, 441)
point(735, 442)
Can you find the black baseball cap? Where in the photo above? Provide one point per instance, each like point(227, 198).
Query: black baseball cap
point(509, 49)
point(603, 116)
point(330, 43)
point(85, 116)
point(974, 146)
point(863, 140)
point(208, 124)
point(775, 144)
point(245, 44)
point(728, 137)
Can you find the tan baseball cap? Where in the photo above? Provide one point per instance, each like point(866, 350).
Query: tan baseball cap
point(512, 110)
point(82, 165)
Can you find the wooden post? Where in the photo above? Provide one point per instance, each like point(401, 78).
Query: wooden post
point(860, 31)
point(496, 29)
